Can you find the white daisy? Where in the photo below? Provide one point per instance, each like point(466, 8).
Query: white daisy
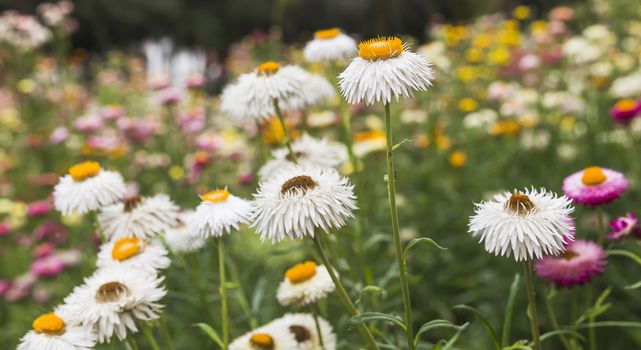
point(303, 327)
point(51, 332)
point(180, 238)
point(113, 299)
point(219, 213)
point(384, 69)
point(329, 45)
point(133, 253)
point(296, 201)
point(528, 224)
point(87, 187)
point(252, 96)
point(139, 217)
point(304, 284)
point(315, 88)
point(267, 337)
point(309, 152)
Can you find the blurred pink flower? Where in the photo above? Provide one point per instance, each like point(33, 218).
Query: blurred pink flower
point(51, 231)
point(195, 81)
point(168, 97)
point(49, 266)
point(209, 141)
point(43, 250)
point(59, 135)
point(70, 257)
point(4, 286)
point(159, 82)
point(20, 287)
point(41, 295)
point(137, 130)
point(246, 179)
point(192, 120)
point(112, 112)
point(4, 230)
point(39, 208)
point(88, 123)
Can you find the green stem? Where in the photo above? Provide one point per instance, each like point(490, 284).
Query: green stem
point(132, 342)
point(400, 256)
point(554, 322)
point(149, 334)
point(532, 312)
point(316, 312)
point(224, 312)
point(591, 318)
point(342, 294)
point(240, 292)
point(287, 141)
point(165, 332)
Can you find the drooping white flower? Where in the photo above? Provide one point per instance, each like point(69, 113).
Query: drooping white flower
point(138, 217)
point(296, 201)
point(304, 284)
point(133, 253)
point(270, 336)
point(219, 213)
point(180, 238)
point(528, 224)
point(384, 69)
point(52, 332)
point(113, 299)
point(329, 45)
point(303, 327)
point(87, 187)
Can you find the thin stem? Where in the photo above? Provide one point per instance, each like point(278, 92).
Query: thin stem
point(165, 332)
point(591, 331)
point(315, 313)
point(149, 334)
point(132, 342)
point(400, 256)
point(224, 312)
point(532, 312)
point(287, 141)
point(554, 322)
point(342, 294)
point(240, 293)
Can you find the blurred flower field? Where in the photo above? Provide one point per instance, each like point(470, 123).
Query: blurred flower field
point(142, 208)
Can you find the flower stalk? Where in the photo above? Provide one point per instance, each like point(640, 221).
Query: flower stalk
point(224, 312)
point(287, 140)
point(532, 312)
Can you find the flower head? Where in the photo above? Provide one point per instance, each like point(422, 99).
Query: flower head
point(384, 69)
point(267, 337)
point(180, 238)
point(595, 186)
point(329, 45)
point(581, 261)
point(87, 187)
point(624, 226)
point(219, 213)
point(133, 253)
point(304, 284)
point(625, 110)
point(297, 201)
point(528, 224)
point(303, 327)
point(52, 332)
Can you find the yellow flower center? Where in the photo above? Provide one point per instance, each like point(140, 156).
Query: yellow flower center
point(380, 48)
point(301, 182)
point(262, 341)
point(215, 196)
point(301, 272)
point(593, 176)
point(520, 204)
point(110, 292)
point(49, 324)
point(327, 33)
point(268, 68)
point(84, 170)
point(125, 248)
point(626, 104)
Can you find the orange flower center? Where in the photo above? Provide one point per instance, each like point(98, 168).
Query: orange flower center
point(84, 170)
point(593, 176)
point(380, 48)
point(215, 196)
point(268, 68)
point(49, 324)
point(125, 248)
point(301, 272)
point(626, 104)
point(262, 341)
point(327, 33)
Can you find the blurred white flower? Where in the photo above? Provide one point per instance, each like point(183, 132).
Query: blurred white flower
point(329, 45)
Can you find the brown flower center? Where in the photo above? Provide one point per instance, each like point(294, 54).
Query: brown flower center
point(301, 333)
point(132, 203)
point(110, 292)
point(302, 183)
point(569, 255)
point(520, 204)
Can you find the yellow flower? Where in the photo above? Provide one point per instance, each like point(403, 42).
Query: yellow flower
point(538, 27)
point(26, 86)
point(457, 159)
point(505, 127)
point(466, 73)
point(499, 56)
point(521, 12)
point(176, 172)
point(467, 105)
point(474, 55)
point(482, 40)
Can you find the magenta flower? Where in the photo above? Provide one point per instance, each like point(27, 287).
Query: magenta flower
point(625, 110)
point(51, 231)
point(112, 112)
point(581, 261)
point(595, 186)
point(4, 229)
point(168, 97)
point(195, 81)
point(624, 226)
point(43, 250)
point(39, 208)
point(59, 135)
point(49, 266)
point(4, 286)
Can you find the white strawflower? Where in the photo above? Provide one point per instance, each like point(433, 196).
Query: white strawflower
point(309, 152)
point(219, 213)
point(304, 284)
point(142, 217)
point(52, 332)
point(268, 337)
point(87, 187)
point(329, 45)
point(180, 238)
point(133, 253)
point(384, 69)
point(113, 299)
point(303, 327)
point(528, 224)
point(296, 201)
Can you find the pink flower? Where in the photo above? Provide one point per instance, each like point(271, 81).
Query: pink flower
point(112, 112)
point(137, 130)
point(4, 230)
point(88, 123)
point(246, 178)
point(59, 135)
point(168, 97)
point(39, 208)
point(43, 250)
point(595, 186)
point(195, 81)
point(20, 287)
point(159, 82)
point(624, 226)
point(625, 110)
point(5, 285)
point(192, 120)
point(581, 261)
point(51, 231)
point(209, 141)
point(49, 266)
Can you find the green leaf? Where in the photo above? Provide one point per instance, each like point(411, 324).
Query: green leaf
point(433, 325)
point(399, 144)
point(623, 324)
point(370, 289)
point(454, 338)
point(509, 311)
point(488, 328)
point(625, 253)
point(210, 332)
point(561, 332)
point(633, 286)
point(377, 316)
point(416, 241)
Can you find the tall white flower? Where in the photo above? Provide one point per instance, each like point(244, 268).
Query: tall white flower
point(296, 201)
point(384, 69)
point(133, 253)
point(87, 187)
point(219, 213)
point(329, 45)
point(139, 217)
point(268, 337)
point(304, 284)
point(528, 224)
point(52, 332)
point(303, 327)
point(113, 299)
point(180, 238)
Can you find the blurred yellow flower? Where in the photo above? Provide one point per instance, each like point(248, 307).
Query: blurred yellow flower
point(457, 159)
point(72, 219)
point(466, 73)
point(176, 172)
point(521, 12)
point(26, 86)
point(482, 40)
point(505, 127)
point(467, 105)
point(422, 141)
point(499, 56)
point(474, 55)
